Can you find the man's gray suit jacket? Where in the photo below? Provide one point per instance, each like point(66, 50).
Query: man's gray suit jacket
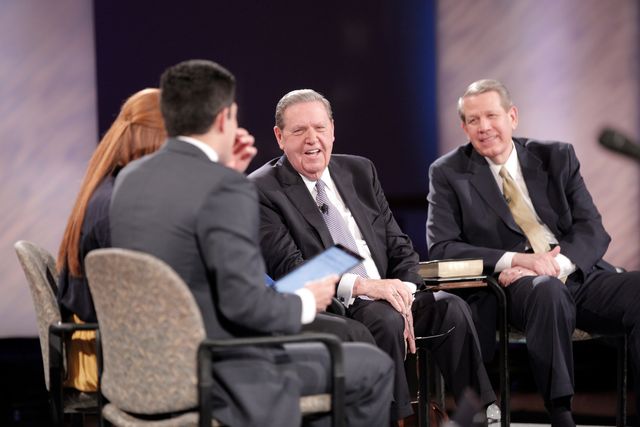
point(201, 218)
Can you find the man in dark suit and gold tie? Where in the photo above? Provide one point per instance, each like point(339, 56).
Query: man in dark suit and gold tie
point(311, 199)
point(523, 207)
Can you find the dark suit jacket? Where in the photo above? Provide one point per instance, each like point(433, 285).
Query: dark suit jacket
point(201, 218)
point(468, 216)
point(292, 228)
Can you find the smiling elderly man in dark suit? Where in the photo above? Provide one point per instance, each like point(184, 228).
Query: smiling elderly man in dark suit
point(311, 199)
point(522, 206)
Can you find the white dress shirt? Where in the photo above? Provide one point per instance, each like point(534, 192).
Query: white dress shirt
point(306, 296)
point(513, 167)
point(348, 280)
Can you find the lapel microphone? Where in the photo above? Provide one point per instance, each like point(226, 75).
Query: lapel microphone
point(324, 208)
point(507, 199)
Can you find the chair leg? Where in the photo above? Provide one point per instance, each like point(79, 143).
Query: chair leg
point(100, 399)
point(56, 369)
point(505, 384)
point(422, 360)
point(621, 412)
point(503, 330)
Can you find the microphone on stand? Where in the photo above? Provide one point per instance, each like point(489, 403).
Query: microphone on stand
point(324, 208)
point(616, 141)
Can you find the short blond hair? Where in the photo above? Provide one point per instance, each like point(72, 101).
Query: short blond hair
point(483, 86)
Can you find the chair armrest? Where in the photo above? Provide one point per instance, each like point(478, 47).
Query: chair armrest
point(336, 307)
point(436, 338)
point(205, 373)
point(61, 328)
point(57, 332)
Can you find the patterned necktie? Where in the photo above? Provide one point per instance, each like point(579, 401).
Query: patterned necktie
point(523, 215)
point(336, 225)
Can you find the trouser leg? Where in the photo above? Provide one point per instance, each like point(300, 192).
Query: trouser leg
point(543, 308)
point(387, 327)
point(608, 302)
point(368, 380)
point(346, 329)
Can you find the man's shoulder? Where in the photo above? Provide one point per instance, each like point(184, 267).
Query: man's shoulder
point(267, 169)
point(266, 175)
point(174, 172)
point(546, 150)
point(542, 145)
point(350, 164)
point(458, 156)
point(350, 159)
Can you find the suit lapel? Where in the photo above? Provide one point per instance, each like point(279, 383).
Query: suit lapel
point(480, 176)
point(344, 183)
point(299, 196)
point(536, 181)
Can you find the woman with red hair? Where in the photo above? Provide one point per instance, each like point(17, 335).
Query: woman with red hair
point(138, 130)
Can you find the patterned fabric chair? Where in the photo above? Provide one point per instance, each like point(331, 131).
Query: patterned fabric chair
point(40, 270)
point(153, 340)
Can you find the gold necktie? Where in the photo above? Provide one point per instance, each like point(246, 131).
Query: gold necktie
point(523, 215)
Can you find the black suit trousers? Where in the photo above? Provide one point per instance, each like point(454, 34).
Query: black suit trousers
point(346, 329)
point(608, 302)
point(458, 357)
point(548, 311)
point(368, 373)
point(543, 308)
point(304, 369)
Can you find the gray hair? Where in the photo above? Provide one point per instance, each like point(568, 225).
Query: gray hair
point(297, 97)
point(482, 86)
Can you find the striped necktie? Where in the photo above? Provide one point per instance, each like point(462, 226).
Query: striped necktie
point(337, 226)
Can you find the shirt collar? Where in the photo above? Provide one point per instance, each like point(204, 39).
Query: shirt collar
point(210, 152)
point(325, 177)
point(511, 164)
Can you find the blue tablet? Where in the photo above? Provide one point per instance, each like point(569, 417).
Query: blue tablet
point(335, 260)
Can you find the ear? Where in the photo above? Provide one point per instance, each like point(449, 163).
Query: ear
point(278, 133)
point(220, 122)
point(513, 116)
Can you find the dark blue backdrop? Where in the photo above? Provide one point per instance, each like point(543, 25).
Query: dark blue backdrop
point(375, 62)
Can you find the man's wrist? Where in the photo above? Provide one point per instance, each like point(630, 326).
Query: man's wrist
point(357, 286)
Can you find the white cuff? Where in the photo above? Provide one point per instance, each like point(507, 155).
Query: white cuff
point(566, 266)
point(308, 305)
point(504, 262)
point(345, 288)
point(412, 288)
